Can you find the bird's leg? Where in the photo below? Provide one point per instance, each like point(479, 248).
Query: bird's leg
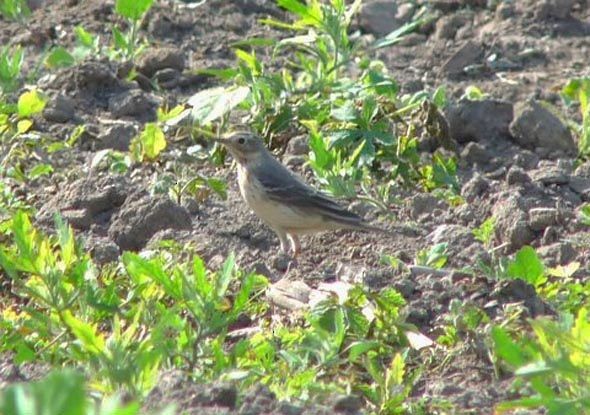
point(295, 244)
point(284, 241)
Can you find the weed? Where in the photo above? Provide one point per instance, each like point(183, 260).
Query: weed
point(578, 90)
point(11, 62)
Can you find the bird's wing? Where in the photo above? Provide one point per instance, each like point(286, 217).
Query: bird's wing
point(284, 187)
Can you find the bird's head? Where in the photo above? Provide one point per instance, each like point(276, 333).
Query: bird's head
point(243, 145)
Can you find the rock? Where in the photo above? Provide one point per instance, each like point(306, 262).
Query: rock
point(448, 25)
point(454, 234)
point(559, 253)
point(117, 137)
point(87, 201)
point(298, 146)
point(550, 174)
point(475, 153)
point(60, 109)
point(167, 78)
point(468, 54)
point(526, 159)
point(541, 218)
point(380, 17)
point(348, 404)
point(224, 396)
point(95, 77)
point(583, 170)
point(511, 223)
point(476, 187)
point(518, 290)
point(517, 176)
point(295, 161)
point(484, 120)
point(133, 103)
point(155, 59)
point(559, 9)
point(505, 11)
point(422, 204)
point(142, 217)
point(536, 128)
point(286, 408)
point(103, 250)
point(580, 185)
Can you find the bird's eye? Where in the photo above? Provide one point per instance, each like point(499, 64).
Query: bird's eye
point(241, 140)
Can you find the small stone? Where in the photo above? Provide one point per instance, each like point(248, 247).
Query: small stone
point(379, 17)
point(224, 395)
point(298, 146)
point(559, 253)
point(476, 187)
point(295, 161)
point(541, 218)
point(167, 78)
point(580, 185)
point(116, 137)
point(448, 25)
point(475, 153)
point(155, 59)
point(484, 121)
point(422, 204)
point(558, 9)
point(349, 404)
point(549, 175)
point(281, 262)
point(536, 128)
point(526, 159)
point(133, 103)
point(59, 110)
point(104, 251)
point(286, 408)
point(467, 55)
point(517, 176)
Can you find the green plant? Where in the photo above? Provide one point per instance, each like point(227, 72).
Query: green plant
point(527, 266)
point(584, 214)
point(578, 90)
point(18, 137)
point(11, 62)
point(485, 232)
point(435, 257)
point(15, 10)
point(128, 44)
point(62, 393)
point(555, 364)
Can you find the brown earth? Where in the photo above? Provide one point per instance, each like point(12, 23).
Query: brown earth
point(516, 162)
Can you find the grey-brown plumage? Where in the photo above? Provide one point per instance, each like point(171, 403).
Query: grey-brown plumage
point(281, 199)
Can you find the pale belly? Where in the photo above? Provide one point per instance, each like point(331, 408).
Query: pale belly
point(276, 215)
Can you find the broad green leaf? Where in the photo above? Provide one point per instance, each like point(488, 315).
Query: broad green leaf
point(30, 103)
point(41, 169)
point(59, 57)
point(214, 103)
point(527, 266)
point(84, 37)
point(152, 141)
point(506, 348)
point(132, 9)
point(23, 126)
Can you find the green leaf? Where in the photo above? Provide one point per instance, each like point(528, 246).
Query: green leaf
point(151, 141)
point(133, 9)
point(359, 348)
point(59, 57)
point(59, 393)
point(527, 266)
point(224, 276)
point(214, 103)
point(41, 169)
point(506, 348)
point(84, 37)
point(584, 214)
point(30, 103)
point(86, 333)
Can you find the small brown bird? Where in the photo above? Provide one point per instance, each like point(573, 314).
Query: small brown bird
point(281, 199)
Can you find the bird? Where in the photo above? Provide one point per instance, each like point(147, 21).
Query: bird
point(281, 199)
